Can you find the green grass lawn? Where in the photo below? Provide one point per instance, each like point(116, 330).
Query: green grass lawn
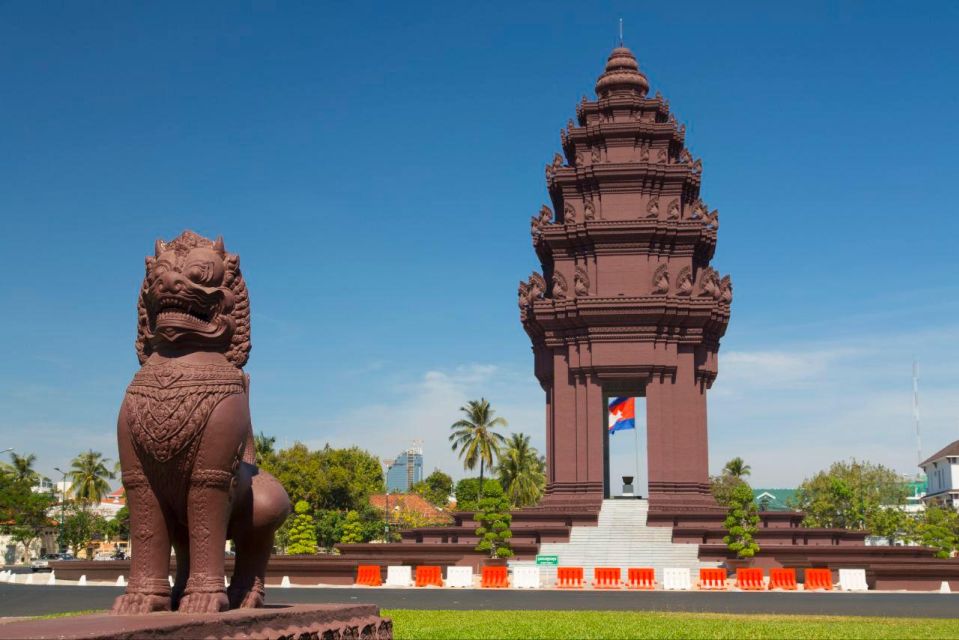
point(455, 625)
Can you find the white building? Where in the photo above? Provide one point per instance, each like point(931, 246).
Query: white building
point(942, 473)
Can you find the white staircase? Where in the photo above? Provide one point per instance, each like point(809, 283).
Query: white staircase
point(622, 539)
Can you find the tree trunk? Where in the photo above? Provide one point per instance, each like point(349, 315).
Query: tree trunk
point(480, 492)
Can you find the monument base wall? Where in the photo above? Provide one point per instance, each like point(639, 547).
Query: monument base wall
point(272, 623)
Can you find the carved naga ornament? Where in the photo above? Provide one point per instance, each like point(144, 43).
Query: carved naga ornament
point(186, 440)
point(661, 280)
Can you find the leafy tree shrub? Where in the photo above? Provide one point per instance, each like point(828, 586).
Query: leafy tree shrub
point(79, 529)
point(494, 532)
point(522, 471)
point(302, 535)
point(119, 527)
point(742, 522)
point(340, 479)
point(353, 529)
point(467, 492)
point(435, 489)
point(938, 528)
point(850, 495)
point(329, 528)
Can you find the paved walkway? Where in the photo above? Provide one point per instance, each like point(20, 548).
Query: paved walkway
point(28, 600)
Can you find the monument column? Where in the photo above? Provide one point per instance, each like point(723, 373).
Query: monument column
point(626, 297)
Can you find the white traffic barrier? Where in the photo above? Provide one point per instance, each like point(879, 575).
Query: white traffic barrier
point(285, 582)
point(82, 582)
point(526, 577)
point(677, 579)
point(12, 578)
point(852, 580)
point(52, 580)
point(29, 579)
point(944, 587)
point(4, 575)
point(401, 576)
point(459, 577)
point(120, 581)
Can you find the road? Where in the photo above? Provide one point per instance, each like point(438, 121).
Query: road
point(30, 600)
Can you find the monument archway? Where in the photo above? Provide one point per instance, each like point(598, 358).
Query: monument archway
point(626, 449)
point(627, 301)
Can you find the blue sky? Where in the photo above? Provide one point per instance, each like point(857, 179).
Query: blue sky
point(376, 165)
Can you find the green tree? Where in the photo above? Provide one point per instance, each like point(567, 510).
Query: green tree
point(23, 512)
point(302, 537)
point(742, 522)
point(494, 532)
point(340, 479)
point(938, 528)
point(22, 468)
point(299, 470)
point(475, 438)
point(849, 495)
point(435, 489)
point(467, 492)
point(522, 471)
point(353, 530)
point(737, 468)
point(329, 527)
point(80, 527)
point(88, 476)
point(264, 446)
point(350, 477)
point(723, 485)
point(119, 527)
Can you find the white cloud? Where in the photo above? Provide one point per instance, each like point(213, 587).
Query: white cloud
point(423, 408)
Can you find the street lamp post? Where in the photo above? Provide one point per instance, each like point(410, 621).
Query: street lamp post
point(63, 499)
point(387, 463)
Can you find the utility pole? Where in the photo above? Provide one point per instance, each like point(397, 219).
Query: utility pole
point(63, 499)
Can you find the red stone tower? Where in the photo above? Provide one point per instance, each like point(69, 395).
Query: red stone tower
point(627, 303)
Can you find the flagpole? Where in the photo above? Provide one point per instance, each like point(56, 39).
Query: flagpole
point(636, 432)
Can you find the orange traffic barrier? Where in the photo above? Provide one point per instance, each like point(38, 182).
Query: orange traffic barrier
point(641, 578)
point(818, 579)
point(712, 579)
point(429, 576)
point(369, 575)
point(607, 578)
point(782, 579)
point(569, 577)
point(749, 579)
point(494, 578)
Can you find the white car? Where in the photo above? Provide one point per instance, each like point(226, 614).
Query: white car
point(43, 562)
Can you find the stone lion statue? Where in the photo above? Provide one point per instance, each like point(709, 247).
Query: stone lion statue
point(186, 440)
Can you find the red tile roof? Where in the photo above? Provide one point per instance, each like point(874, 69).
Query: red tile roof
point(410, 502)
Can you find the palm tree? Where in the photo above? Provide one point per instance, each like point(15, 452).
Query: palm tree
point(22, 467)
point(475, 438)
point(737, 468)
point(522, 471)
point(88, 476)
point(264, 445)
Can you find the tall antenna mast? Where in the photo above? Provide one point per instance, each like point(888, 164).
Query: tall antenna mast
point(620, 32)
point(915, 408)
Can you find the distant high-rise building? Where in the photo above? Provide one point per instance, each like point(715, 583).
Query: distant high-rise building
point(405, 471)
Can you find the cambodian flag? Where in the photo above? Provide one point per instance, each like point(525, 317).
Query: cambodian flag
point(622, 414)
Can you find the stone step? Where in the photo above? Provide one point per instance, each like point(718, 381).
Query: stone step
point(621, 538)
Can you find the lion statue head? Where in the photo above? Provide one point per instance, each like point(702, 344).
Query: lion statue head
point(193, 297)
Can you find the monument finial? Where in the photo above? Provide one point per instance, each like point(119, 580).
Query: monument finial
point(620, 32)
